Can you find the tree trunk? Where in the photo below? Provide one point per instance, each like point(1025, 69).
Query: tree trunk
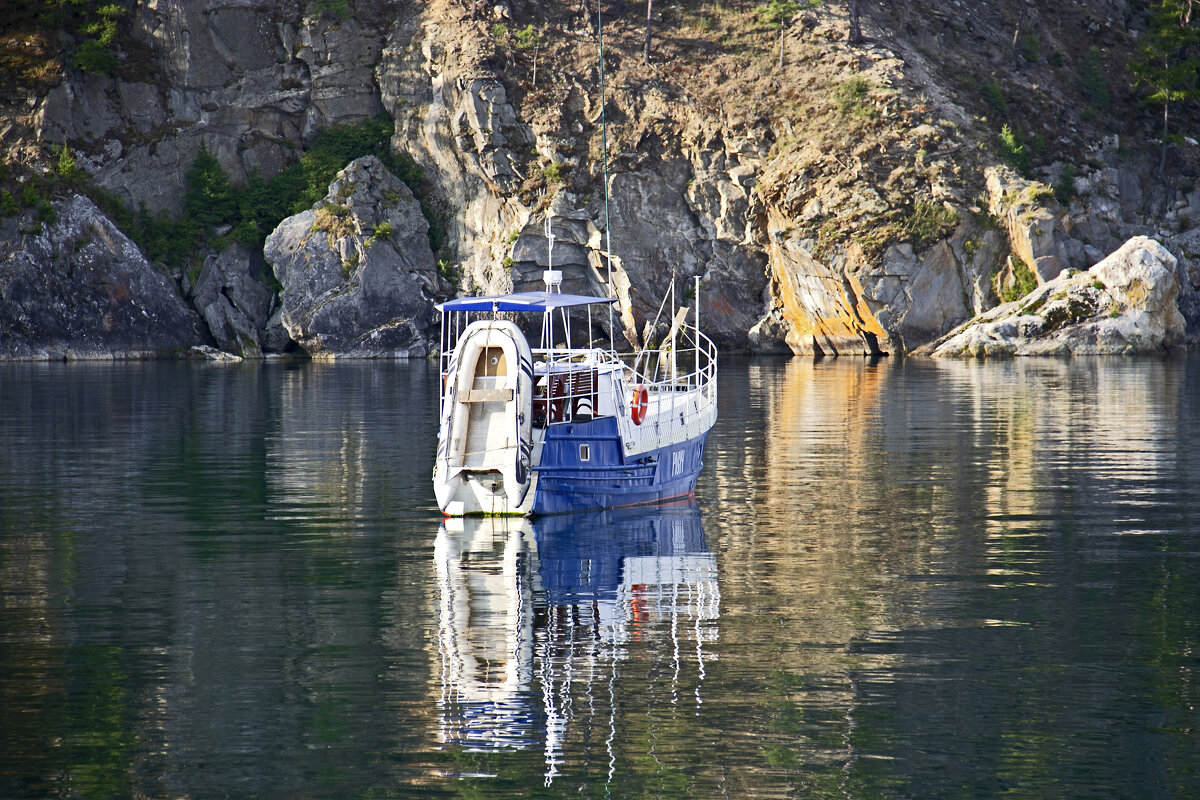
point(855, 36)
point(1016, 42)
point(649, 14)
point(1162, 156)
point(781, 29)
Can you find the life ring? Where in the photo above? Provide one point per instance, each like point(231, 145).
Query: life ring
point(637, 405)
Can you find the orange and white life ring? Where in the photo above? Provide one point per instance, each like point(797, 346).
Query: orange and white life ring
point(638, 404)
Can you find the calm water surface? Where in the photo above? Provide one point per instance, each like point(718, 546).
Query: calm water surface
point(901, 580)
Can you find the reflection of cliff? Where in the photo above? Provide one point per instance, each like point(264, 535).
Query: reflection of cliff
point(918, 548)
point(322, 445)
point(534, 615)
point(1081, 425)
point(181, 612)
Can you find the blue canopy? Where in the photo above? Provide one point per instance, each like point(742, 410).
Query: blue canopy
point(536, 302)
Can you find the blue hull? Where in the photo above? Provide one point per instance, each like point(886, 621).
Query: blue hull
point(583, 468)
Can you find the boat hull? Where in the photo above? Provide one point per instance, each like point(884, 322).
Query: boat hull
point(567, 483)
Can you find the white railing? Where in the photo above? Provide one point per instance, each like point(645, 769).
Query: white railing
point(682, 385)
point(567, 381)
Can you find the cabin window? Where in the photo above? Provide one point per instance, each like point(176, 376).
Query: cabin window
point(585, 452)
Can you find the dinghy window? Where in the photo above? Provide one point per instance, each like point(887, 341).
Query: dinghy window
point(585, 452)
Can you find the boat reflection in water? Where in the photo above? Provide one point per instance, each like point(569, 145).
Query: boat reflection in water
point(534, 612)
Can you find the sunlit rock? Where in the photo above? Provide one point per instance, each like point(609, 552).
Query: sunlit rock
point(1126, 304)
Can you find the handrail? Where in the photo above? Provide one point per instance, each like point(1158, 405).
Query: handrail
point(658, 370)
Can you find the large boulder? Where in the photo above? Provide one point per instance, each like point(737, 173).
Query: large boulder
point(234, 304)
point(358, 274)
point(79, 289)
point(1126, 304)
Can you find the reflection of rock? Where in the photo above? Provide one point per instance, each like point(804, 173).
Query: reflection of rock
point(1124, 304)
point(81, 289)
point(357, 270)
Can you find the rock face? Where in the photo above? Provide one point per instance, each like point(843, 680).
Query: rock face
point(683, 212)
point(250, 80)
point(846, 201)
point(234, 304)
point(1126, 304)
point(79, 289)
point(358, 275)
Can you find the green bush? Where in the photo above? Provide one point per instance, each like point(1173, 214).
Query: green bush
point(1012, 148)
point(852, 98)
point(1023, 281)
point(208, 197)
point(335, 10)
point(993, 95)
point(930, 222)
point(527, 38)
point(1031, 48)
point(64, 164)
point(1065, 189)
point(93, 56)
point(1093, 79)
point(257, 208)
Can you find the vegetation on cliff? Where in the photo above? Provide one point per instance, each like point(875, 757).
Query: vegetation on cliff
point(217, 213)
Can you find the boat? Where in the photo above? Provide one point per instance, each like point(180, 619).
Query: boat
point(568, 423)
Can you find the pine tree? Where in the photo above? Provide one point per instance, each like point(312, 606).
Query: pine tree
point(208, 198)
point(1168, 60)
point(780, 11)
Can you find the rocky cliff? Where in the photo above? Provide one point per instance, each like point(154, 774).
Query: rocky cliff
point(834, 197)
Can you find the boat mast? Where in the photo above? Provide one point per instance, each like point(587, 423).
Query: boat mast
point(696, 365)
point(674, 330)
point(604, 159)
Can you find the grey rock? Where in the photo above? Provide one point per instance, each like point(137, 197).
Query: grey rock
point(1129, 186)
point(79, 289)
point(358, 275)
point(233, 303)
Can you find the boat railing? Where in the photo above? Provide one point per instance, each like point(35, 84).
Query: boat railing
point(690, 364)
point(681, 380)
point(567, 381)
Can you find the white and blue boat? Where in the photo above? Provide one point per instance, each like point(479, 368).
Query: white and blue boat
point(566, 424)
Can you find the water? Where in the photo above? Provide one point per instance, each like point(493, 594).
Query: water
point(906, 579)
